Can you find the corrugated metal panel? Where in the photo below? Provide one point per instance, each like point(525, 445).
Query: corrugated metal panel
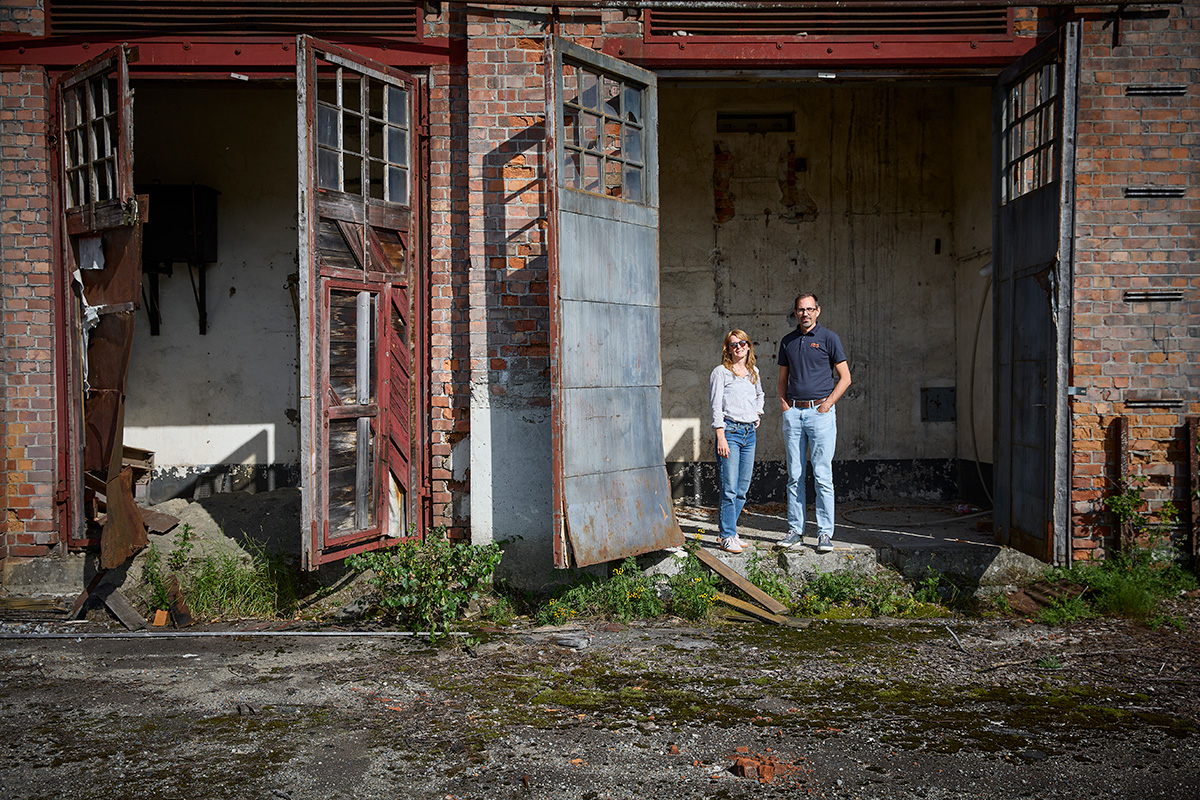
point(612, 496)
point(849, 20)
point(80, 17)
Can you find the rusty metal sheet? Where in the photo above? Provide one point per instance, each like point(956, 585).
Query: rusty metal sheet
point(124, 532)
point(110, 344)
point(120, 282)
point(611, 490)
point(102, 427)
point(613, 515)
point(620, 426)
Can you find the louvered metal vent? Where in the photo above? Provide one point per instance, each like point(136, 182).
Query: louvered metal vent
point(850, 20)
point(1153, 295)
point(89, 17)
point(1155, 191)
point(1156, 89)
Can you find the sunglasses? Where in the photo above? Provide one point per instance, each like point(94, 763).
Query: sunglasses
point(738, 345)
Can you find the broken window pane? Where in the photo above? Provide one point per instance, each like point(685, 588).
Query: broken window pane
point(591, 173)
point(352, 174)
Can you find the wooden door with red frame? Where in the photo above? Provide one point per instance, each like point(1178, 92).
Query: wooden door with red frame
point(362, 471)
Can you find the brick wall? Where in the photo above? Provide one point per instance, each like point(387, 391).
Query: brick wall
point(449, 335)
point(23, 16)
point(1125, 350)
point(26, 318)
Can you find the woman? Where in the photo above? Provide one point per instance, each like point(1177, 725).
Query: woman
point(736, 396)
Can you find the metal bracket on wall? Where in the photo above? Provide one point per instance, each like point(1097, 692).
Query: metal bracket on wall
point(200, 292)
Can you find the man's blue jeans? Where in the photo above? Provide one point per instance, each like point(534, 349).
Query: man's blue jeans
point(807, 432)
point(734, 473)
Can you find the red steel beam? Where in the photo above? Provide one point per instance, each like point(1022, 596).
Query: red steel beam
point(246, 55)
point(796, 54)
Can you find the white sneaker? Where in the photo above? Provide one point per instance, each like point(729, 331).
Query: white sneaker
point(731, 544)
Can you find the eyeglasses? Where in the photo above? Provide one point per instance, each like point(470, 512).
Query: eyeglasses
point(812, 310)
point(738, 345)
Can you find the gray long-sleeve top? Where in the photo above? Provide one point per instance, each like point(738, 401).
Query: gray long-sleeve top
point(738, 399)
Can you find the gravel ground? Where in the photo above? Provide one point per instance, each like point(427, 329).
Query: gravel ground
point(877, 709)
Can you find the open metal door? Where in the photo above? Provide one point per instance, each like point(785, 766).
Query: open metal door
point(612, 498)
point(361, 470)
point(101, 285)
point(1034, 116)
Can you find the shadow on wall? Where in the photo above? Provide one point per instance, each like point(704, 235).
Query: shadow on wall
point(518, 441)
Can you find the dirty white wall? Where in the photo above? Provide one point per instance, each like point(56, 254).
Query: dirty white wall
point(859, 205)
point(229, 397)
point(972, 246)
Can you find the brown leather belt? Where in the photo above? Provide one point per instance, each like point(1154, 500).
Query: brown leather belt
point(805, 403)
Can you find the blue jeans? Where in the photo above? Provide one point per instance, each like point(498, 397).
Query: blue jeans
point(734, 473)
point(806, 432)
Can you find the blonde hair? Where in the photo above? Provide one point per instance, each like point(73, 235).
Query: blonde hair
point(727, 360)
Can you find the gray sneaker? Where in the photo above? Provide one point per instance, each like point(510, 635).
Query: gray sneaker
point(791, 540)
point(825, 543)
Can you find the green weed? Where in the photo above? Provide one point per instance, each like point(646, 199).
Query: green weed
point(628, 593)
point(426, 585)
point(852, 593)
point(693, 589)
point(229, 585)
point(768, 581)
point(152, 572)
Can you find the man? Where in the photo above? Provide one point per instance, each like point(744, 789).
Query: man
point(813, 375)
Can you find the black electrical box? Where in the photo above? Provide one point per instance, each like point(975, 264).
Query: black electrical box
point(183, 224)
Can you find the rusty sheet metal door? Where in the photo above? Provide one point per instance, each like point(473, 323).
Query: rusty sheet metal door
point(1035, 184)
point(101, 284)
point(357, 130)
point(612, 498)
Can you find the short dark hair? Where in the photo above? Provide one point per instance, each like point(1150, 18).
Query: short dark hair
point(803, 295)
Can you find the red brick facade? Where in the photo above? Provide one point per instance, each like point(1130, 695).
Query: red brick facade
point(26, 318)
point(489, 295)
point(1125, 350)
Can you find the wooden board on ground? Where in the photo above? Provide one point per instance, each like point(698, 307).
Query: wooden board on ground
point(730, 574)
point(765, 616)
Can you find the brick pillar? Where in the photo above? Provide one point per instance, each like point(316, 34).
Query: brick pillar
point(26, 318)
point(1136, 348)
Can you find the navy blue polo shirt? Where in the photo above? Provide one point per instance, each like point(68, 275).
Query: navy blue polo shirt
point(810, 359)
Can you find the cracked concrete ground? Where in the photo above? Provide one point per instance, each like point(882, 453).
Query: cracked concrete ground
point(865, 709)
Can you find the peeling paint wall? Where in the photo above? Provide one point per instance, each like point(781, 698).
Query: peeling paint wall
point(228, 397)
point(872, 202)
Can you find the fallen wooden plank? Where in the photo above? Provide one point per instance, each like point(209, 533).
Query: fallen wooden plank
point(766, 616)
point(730, 574)
point(120, 607)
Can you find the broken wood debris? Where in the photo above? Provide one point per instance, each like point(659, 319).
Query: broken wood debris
point(761, 614)
point(733, 576)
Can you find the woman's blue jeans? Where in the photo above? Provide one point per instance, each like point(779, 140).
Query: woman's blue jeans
point(734, 473)
point(807, 433)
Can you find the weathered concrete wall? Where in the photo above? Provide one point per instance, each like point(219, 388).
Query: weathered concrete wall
point(972, 143)
point(859, 205)
point(228, 397)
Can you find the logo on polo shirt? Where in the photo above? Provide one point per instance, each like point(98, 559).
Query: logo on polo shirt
point(814, 344)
